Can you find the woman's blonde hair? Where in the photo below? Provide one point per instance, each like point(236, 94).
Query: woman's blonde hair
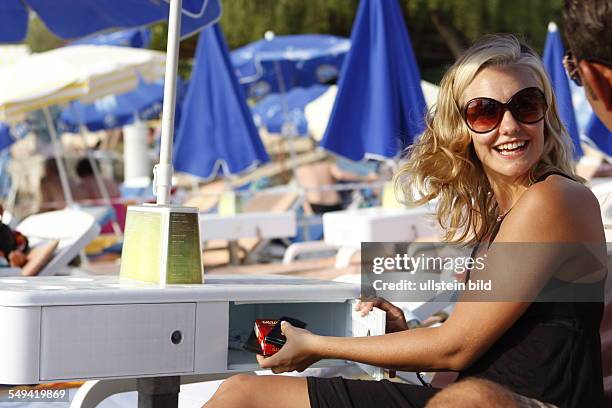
point(442, 163)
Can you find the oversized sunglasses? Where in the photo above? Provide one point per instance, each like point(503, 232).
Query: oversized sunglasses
point(528, 106)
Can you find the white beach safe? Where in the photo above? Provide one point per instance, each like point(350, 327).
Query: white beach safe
point(162, 245)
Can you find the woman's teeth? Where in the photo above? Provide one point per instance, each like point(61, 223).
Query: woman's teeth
point(509, 148)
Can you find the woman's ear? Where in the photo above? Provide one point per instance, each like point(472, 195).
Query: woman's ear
point(597, 80)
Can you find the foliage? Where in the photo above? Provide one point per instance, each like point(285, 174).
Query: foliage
point(436, 27)
point(245, 21)
point(39, 38)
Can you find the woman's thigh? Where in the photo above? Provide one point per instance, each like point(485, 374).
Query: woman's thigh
point(252, 391)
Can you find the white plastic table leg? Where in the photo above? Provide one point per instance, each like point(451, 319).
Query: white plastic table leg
point(94, 392)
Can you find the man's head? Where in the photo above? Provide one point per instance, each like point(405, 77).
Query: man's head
point(587, 27)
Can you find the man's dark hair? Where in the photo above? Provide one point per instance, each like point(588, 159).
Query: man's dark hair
point(587, 25)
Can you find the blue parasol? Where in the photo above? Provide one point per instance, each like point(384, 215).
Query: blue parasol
point(380, 106)
point(145, 103)
point(278, 63)
point(139, 37)
point(553, 63)
point(270, 111)
point(216, 132)
point(69, 19)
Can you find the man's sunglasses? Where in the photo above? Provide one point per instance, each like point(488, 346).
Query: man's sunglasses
point(571, 66)
point(528, 106)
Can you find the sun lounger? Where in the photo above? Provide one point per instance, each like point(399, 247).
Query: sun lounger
point(245, 233)
point(70, 229)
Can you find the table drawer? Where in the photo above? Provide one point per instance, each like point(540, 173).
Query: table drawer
point(98, 341)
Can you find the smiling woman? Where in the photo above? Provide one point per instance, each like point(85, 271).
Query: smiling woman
point(494, 143)
point(496, 119)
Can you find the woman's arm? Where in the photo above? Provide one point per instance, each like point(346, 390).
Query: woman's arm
point(447, 347)
point(555, 211)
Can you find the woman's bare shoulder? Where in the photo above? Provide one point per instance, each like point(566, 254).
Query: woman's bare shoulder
point(558, 194)
point(558, 209)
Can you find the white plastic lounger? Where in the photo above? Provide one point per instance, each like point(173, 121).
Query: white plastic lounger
point(73, 229)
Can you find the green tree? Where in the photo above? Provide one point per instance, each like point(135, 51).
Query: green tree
point(439, 29)
point(39, 37)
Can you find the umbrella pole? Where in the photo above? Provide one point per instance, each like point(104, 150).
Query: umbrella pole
point(97, 175)
point(57, 150)
point(162, 173)
point(288, 134)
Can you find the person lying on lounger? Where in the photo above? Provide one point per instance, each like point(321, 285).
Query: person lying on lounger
point(13, 247)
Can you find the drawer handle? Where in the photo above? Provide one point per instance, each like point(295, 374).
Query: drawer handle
point(176, 337)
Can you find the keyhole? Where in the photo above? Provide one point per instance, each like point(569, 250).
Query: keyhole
point(176, 337)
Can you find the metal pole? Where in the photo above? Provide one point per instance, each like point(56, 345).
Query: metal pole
point(57, 149)
point(158, 392)
point(97, 175)
point(288, 129)
point(163, 170)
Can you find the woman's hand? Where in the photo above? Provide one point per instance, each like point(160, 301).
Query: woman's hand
point(298, 353)
point(396, 321)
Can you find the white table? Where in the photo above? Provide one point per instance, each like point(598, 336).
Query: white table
point(129, 335)
point(264, 225)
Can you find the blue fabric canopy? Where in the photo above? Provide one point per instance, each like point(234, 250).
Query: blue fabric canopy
point(272, 113)
point(6, 139)
point(69, 19)
point(553, 63)
point(599, 134)
point(216, 132)
point(380, 106)
point(113, 111)
point(139, 37)
point(294, 60)
point(8, 134)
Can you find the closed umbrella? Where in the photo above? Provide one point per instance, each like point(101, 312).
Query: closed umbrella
point(599, 134)
point(379, 108)
point(317, 112)
point(552, 58)
point(216, 133)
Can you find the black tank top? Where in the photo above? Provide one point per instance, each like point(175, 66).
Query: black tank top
point(551, 353)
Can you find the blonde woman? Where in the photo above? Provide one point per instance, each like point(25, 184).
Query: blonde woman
point(497, 158)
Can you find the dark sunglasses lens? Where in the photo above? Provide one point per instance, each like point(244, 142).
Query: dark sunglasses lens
point(528, 106)
point(482, 114)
